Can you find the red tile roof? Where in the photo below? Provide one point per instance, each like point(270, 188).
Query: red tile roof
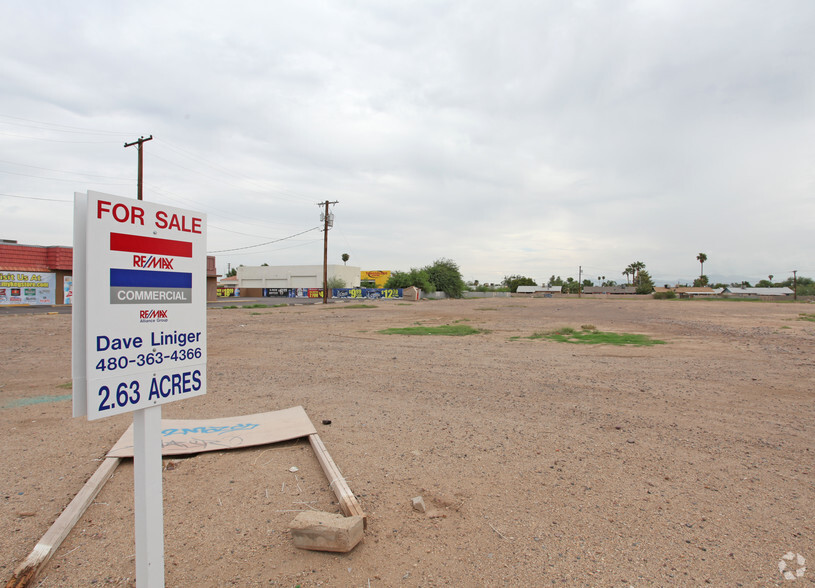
point(34, 258)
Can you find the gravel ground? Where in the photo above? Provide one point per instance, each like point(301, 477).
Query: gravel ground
point(542, 463)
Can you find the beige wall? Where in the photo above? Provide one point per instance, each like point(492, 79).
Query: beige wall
point(294, 276)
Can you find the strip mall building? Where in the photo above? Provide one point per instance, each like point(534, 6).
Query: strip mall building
point(42, 275)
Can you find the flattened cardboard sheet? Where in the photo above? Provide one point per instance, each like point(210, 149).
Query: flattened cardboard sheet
point(186, 437)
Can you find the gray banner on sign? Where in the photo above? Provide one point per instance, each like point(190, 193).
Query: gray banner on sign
point(140, 295)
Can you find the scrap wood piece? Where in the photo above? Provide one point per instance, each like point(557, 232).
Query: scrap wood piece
point(348, 502)
point(26, 572)
point(189, 436)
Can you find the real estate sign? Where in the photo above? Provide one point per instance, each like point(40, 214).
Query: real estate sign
point(139, 297)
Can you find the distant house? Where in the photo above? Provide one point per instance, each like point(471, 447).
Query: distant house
point(539, 290)
point(610, 290)
point(688, 291)
point(770, 293)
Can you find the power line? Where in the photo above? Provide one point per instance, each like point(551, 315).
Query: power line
point(211, 226)
point(68, 127)
point(36, 198)
point(57, 140)
point(276, 249)
point(210, 165)
point(174, 197)
point(267, 243)
point(61, 179)
point(61, 171)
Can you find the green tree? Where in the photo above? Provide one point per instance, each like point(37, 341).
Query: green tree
point(445, 276)
point(803, 287)
point(637, 266)
point(336, 282)
point(588, 283)
point(633, 270)
point(512, 282)
point(571, 286)
point(645, 284)
point(415, 277)
point(554, 281)
point(345, 258)
point(232, 273)
point(702, 258)
point(700, 281)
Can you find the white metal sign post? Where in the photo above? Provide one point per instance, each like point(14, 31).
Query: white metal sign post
point(139, 334)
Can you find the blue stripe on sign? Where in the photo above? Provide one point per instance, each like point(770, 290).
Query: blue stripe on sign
point(149, 279)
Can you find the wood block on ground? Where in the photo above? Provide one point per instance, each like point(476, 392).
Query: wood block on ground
point(324, 531)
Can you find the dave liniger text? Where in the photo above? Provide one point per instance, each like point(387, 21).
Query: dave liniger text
point(162, 349)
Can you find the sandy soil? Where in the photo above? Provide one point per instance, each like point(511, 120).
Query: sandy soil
point(684, 464)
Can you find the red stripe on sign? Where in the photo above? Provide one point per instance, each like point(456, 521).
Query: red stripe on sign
point(138, 244)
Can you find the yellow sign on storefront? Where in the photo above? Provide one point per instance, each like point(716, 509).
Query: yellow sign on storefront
point(379, 277)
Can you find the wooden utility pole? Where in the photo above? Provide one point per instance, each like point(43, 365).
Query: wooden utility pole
point(795, 284)
point(328, 223)
point(138, 142)
point(580, 281)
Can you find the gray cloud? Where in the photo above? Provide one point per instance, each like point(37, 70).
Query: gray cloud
point(521, 137)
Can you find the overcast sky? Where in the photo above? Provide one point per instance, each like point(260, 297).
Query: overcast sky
point(514, 137)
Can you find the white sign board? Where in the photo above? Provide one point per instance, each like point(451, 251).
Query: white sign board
point(27, 287)
point(140, 298)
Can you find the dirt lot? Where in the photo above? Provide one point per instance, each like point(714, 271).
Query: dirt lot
point(689, 463)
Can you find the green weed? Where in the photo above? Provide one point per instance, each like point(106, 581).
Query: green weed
point(448, 330)
point(591, 336)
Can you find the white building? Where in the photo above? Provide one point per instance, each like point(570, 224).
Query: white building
point(539, 290)
point(753, 292)
point(253, 279)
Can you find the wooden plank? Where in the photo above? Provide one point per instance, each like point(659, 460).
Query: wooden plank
point(348, 502)
point(26, 572)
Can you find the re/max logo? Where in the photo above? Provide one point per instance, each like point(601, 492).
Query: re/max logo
point(148, 261)
point(152, 314)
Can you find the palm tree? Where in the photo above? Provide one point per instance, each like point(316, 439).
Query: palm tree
point(637, 266)
point(627, 272)
point(702, 258)
point(633, 270)
point(345, 258)
point(771, 278)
